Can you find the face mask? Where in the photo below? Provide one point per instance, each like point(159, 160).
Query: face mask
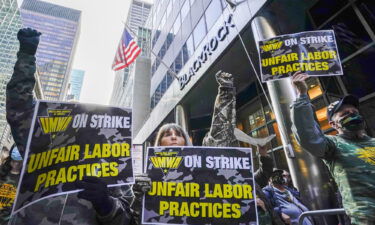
point(278, 179)
point(352, 122)
point(285, 180)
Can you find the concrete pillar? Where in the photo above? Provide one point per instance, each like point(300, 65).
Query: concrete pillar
point(309, 173)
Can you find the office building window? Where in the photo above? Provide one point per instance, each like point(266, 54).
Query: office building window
point(367, 9)
point(314, 88)
point(185, 10)
point(257, 119)
point(359, 78)
point(212, 13)
point(199, 31)
point(323, 10)
point(178, 62)
point(169, 8)
point(177, 24)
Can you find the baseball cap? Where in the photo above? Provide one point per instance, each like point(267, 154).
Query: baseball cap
point(335, 106)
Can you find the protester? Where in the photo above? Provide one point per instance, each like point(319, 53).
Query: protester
point(221, 134)
point(9, 177)
point(96, 204)
point(349, 155)
point(284, 200)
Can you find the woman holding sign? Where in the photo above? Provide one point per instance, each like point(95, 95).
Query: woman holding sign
point(221, 134)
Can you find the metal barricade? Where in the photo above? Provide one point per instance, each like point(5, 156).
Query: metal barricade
point(320, 213)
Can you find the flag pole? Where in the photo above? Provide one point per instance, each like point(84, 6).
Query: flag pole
point(174, 74)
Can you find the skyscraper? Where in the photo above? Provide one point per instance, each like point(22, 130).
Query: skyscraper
point(60, 27)
point(10, 22)
point(75, 84)
point(138, 14)
point(123, 85)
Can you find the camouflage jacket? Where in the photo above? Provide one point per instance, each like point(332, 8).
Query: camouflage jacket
point(221, 134)
point(351, 162)
point(8, 190)
point(65, 209)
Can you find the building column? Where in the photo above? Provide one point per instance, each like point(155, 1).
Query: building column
point(309, 173)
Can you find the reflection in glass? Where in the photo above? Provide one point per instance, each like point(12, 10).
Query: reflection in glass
point(199, 31)
point(178, 63)
point(367, 9)
point(314, 89)
point(257, 119)
point(213, 12)
point(177, 24)
point(359, 77)
point(268, 113)
point(274, 129)
point(324, 9)
point(350, 33)
point(185, 10)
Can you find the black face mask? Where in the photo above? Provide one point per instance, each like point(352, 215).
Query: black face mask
point(352, 122)
point(278, 179)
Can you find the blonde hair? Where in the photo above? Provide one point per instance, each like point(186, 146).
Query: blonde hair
point(175, 127)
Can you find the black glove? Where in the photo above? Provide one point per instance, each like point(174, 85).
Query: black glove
point(96, 191)
point(29, 40)
point(141, 186)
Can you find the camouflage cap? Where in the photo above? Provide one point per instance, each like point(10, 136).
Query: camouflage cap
point(335, 106)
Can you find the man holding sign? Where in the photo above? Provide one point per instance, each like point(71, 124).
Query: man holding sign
point(350, 155)
point(314, 52)
point(96, 204)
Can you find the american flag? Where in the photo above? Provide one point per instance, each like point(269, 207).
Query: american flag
point(127, 52)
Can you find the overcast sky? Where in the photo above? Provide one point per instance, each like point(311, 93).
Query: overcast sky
point(101, 28)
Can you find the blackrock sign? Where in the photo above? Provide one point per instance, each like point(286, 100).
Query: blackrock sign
point(208, 49)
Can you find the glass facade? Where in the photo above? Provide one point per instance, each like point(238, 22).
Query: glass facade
point(188, 46)
point(10, 23)
point(75, 84)
point(353, 23)
point(60, 28)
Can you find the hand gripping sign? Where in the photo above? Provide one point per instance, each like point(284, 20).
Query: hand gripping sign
point(68, 141)
point(312, 52)
point(200, 185)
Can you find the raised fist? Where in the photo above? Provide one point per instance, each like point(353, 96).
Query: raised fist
point(224, 79)
point(142, 184)
point(29, 40)
point(299, 82)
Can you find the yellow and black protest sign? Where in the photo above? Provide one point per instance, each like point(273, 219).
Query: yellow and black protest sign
point(312, 52)
point(200, 185)
point(69, 141)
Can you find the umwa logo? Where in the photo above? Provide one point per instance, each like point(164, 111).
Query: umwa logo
point(57, 121)
point(166, 161)
point(271, 45)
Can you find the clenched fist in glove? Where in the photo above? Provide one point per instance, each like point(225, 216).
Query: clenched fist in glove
point(29, 40)
point(96, 191)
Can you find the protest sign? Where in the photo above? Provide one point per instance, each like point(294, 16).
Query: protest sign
point(68, 141)
point(200, 185)
point(312, 52)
